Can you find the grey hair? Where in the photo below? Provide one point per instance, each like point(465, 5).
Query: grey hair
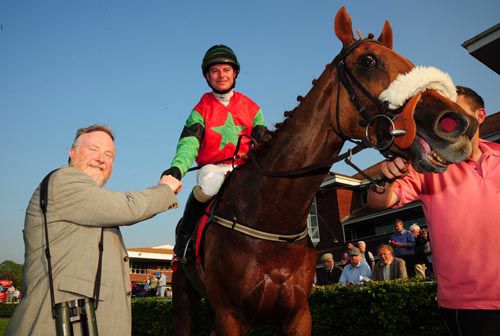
point(90, 129)
point(414, 226)
point(361, 243)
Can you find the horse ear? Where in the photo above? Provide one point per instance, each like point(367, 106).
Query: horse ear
point(343, 27)
point(386, 35)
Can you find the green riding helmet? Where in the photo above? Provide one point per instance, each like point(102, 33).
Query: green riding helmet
point(219, 54)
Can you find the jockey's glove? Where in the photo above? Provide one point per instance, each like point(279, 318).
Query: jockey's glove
point(173, 171)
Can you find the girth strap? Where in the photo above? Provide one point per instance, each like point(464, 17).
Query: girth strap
point(257, 233)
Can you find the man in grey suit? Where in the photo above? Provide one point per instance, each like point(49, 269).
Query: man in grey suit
point(78, 212)
point(389, 267)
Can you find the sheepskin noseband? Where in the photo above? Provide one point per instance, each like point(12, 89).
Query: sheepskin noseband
point(416, 81)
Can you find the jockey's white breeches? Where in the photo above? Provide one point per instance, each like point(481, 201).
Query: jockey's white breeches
point(210, 178)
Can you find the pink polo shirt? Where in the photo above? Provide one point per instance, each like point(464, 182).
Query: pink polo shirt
point(462, 208)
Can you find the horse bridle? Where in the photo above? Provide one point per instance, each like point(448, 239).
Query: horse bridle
point(350, 82)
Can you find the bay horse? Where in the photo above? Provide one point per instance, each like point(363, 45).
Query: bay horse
point(249, 277)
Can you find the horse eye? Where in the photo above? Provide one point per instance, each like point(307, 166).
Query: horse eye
point(368, 61)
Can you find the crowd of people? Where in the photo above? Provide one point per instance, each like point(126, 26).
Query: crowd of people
point(156, 285)
point(10, 293)
point(407, 254)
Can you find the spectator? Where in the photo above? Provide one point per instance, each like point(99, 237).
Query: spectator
point(162, 284)
point(419, 258)
point(461, 209)
point(424, 234)
point(168, 292)
point(403, 243)
point(329, 274)
point(153, 284)
point(17, 295)
point(366, 255)
point(389, 267)
point(10, 293)
point(357, 271)
point(80, 214)
point(345, 255)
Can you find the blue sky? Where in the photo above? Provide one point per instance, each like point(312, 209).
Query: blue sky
point(135, 65)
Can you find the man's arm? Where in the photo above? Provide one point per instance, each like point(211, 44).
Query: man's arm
point(188, 145)
point(383, 198)
point(79, 200)
point(410, 241)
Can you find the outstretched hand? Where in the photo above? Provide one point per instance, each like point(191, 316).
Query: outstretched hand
point(394, 169)
point(172, 182)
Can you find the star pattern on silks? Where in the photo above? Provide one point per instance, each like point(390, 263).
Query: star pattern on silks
point(229, 131)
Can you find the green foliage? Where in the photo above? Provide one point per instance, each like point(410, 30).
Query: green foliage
point(3, 325)
point(383, 308)
point(10, 270)
point(153, 316)
point(7, 309)
point(377, 308)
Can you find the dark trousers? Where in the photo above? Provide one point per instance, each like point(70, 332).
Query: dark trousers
point(461, 322)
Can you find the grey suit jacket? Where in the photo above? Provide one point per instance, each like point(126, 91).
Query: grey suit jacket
point(397, 270)
point(77, 208)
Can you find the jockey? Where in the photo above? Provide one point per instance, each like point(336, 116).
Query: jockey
point(211, 134)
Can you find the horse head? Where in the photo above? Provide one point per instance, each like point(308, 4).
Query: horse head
point(394, 106)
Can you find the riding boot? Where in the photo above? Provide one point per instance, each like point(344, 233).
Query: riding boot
point(184, 230)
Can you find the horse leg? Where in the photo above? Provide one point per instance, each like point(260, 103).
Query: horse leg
point(229, 322)
point(300, 324)
point(186, 303)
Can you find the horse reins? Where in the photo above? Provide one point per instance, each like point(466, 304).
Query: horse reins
point(349, 82)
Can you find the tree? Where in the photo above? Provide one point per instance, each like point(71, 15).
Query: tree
point(10, 270)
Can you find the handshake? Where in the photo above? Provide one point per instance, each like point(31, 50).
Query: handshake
point(171, 177)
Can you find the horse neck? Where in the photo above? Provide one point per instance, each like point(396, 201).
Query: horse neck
point(305, 138)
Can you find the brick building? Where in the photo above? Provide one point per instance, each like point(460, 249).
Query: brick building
point(145, 261)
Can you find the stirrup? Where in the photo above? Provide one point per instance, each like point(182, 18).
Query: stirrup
point(185, 258)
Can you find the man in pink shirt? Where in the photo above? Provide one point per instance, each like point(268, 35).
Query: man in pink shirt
point(461, 206)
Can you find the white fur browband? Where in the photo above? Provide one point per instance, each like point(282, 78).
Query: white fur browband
point(416, 81)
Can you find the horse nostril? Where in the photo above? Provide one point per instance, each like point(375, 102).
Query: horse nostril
point(448, 123)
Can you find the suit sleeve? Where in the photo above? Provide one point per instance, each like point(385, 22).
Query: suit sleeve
point(78, 199)
point(402, 270)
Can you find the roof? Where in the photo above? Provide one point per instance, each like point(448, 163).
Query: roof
point(162, 252)
point(490, 128)
point(485, 47)
point(365, 213)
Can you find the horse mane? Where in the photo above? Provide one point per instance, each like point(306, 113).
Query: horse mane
point(278, 127)
point(288, 114)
